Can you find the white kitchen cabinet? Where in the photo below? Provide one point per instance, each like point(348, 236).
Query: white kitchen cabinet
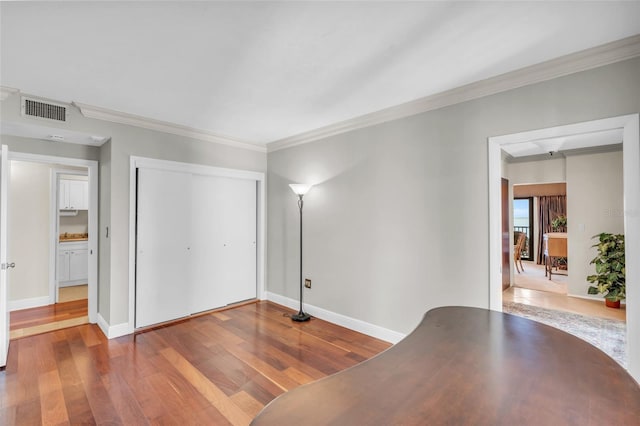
point(73, 261)
point(74, 194)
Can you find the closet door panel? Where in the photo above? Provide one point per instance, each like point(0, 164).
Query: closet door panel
point(239, 216)
point(162, 246)
point(207, 272)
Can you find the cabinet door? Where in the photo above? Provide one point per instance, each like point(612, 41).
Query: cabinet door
point(63, 195)
point(162, 246)
point(78, 265)
point(63, 266)
point(77, 190)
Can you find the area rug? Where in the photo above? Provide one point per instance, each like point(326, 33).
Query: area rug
point(610, 336)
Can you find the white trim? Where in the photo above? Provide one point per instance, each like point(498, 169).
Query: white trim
point(54, 235)
point(631, 178)
point(105, 114)
point(5, 92)
point(112, 331)
point(92, 242)
point(631, 187)
point(151, 163)
point(198, 169)
point(339, 319)
point(32, 302)
point(595, 298)
point(598, 56)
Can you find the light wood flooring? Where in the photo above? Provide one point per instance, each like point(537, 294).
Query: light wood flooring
point(531, 287)
point(76, 292)
point(71, 311)
point(219, 368)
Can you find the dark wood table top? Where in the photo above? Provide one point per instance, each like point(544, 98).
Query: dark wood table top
point(469, 366)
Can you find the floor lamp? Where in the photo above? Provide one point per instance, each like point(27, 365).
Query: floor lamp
point(300, 190)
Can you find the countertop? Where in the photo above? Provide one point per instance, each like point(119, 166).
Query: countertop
point(69, 238)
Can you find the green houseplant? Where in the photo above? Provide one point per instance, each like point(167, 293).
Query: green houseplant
point(559, 224)
point(609, 278)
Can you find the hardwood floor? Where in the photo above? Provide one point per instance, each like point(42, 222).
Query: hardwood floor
point(28, 322)
point(76, 292)
point(220, 368)
point(561, 302)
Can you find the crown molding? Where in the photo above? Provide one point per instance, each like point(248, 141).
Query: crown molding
point(5, 92)
point(99, 113)
point(594, 57)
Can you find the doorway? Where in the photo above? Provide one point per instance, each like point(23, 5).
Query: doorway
point(44, 296)
point(629, 128)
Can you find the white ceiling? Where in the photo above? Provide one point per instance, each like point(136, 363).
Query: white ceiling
point(564, 144)
point(263, 71)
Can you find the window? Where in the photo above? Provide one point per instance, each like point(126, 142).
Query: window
point(523, 222)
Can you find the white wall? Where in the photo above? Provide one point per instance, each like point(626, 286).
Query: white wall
point(540, 171)
point(594, 205)
point(78, 224)
point(29, 225)
point(398, 221)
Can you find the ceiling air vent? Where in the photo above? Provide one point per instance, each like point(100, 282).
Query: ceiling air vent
point(49, 111)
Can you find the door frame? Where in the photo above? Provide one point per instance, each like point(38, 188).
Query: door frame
point(92, 242)
point(5, 340)
point(630, 124)
point(136, 162)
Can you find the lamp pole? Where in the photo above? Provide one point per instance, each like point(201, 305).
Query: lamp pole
point(300, 190)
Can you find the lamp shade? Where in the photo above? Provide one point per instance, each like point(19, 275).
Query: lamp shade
point(300, 188)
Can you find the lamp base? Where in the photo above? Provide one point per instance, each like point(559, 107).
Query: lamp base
point(301, 317)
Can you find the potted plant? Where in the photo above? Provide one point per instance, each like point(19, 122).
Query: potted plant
point(610, 269)
point(559, 224)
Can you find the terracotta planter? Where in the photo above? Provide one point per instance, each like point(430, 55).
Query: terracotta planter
point(611, 304)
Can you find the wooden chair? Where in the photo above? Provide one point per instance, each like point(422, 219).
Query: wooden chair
point(517, 251)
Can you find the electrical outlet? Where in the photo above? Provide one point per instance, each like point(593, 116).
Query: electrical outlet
point(307, 283)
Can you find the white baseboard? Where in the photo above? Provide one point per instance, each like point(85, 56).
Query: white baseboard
point(33, 302)
point(339, 319)
point(599, 298)
point(113, 331)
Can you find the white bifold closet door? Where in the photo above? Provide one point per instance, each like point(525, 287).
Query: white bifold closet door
point(162, 257)
point(224, 245)
point(203, 229)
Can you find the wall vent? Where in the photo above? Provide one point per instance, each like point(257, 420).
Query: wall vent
point(46, 110)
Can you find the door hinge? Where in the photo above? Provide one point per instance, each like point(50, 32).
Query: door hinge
point(8, 265)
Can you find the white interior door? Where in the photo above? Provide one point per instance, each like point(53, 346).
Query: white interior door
point(4, 310)
point(207, 244)
point(196, 243)
point(239, 218)
point(223, 241)
point(162, 250)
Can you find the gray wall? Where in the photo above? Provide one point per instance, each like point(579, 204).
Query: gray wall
point(398, 222)
point(104, 242)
